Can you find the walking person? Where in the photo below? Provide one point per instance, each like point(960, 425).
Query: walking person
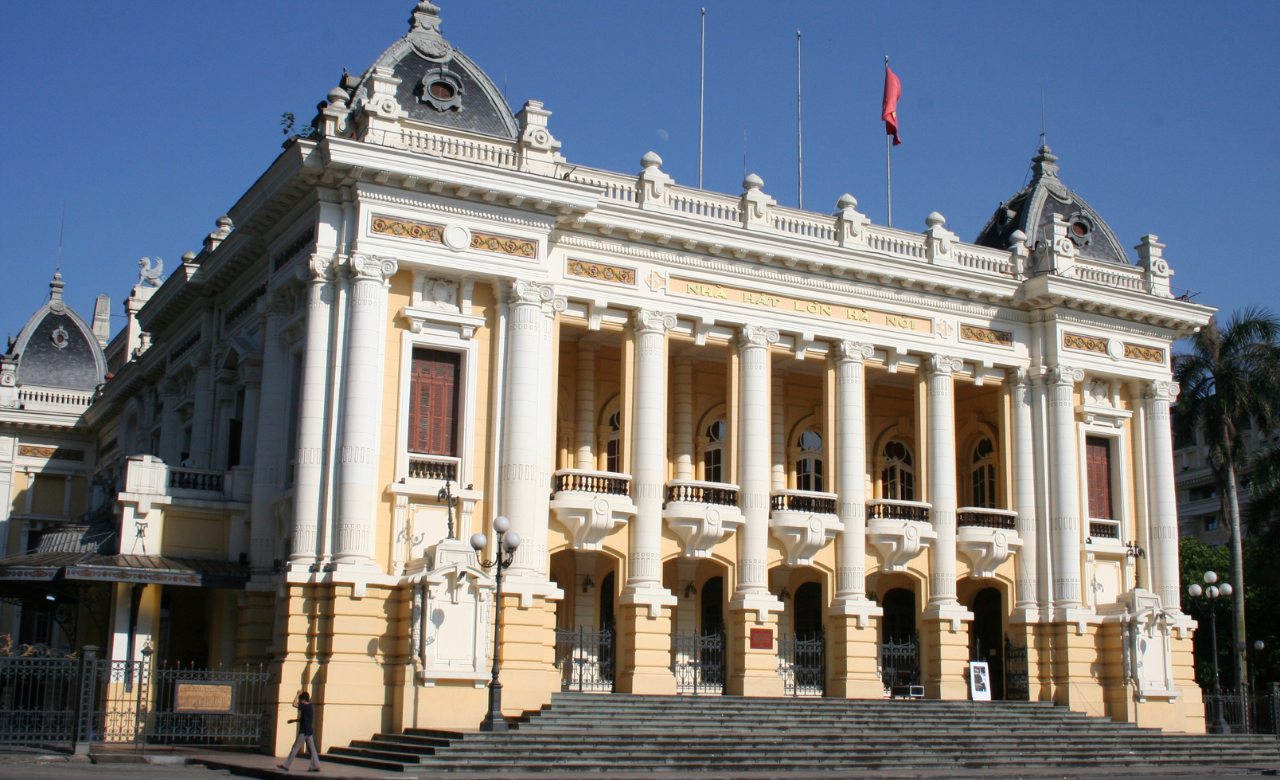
point(306, 733)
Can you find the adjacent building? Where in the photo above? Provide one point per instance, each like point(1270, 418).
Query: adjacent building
point(727, 432)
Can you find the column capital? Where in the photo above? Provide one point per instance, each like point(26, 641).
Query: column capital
point(273, 304)
point(1065, 375)
point(1018, 376)
point(372, 268)
point(650, 321)
point(944, 365)
point(319, 270)
point(852, 351)
point(757, 336)
point(535, 293)
point(1164, 390)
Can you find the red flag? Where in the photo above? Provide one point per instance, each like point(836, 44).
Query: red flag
point(892, 91)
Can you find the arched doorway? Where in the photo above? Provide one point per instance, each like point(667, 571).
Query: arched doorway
point(986, 636)
point(712, 606)
point(606, 601)
point(807, 611)
point(899, 647)
point(899, 615)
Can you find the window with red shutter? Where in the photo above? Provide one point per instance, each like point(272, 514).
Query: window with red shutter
point(1098, 463)
point(433, 402)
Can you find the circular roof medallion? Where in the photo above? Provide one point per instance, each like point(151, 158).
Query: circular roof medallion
point(441, 89)
point(60, 338)
point(457, 237)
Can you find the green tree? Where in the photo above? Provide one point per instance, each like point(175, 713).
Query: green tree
point(1230, 378)
point(1194, 559)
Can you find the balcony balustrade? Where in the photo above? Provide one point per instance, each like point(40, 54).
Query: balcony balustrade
point(438, 467)
point(803, 521)
point(591, 504)
point(899, 530)
point(977, 517)
point(987, 537)
point(701, 514)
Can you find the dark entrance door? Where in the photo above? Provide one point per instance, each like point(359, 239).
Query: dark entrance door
point(986, 636)
point(899, 615)
point(712, 606)
point(606, 601)
point(807, 611)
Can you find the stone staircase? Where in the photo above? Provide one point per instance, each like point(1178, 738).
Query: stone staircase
point(619, 732)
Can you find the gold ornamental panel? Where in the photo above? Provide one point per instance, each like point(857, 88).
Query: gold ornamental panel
point(1086, 343)
point(985, 335)
point(404, 228)
point(602, 273)
point(53, 453)
point(1149, 354)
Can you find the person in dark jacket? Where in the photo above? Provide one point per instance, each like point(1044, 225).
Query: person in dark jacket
point(306, 732)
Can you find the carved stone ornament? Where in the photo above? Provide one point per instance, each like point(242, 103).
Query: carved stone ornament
point(853, 351)
point(1065, 375)
point(648, 321)
point(318, 269)
point(1165, 390)
point(1019, 376)
point(424, 33)
point(757, 336)
point(532, 292)
point(942, 364)
point(372, 267)
point(440, 294)
point(1099, 393)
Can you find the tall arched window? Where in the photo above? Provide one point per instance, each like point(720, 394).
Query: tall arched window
point(613, 447)
point(713, 457)
point(984, 474)
point(898, 478)
point(809, 465)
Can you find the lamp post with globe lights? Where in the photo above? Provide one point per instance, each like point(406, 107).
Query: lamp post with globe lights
point(504, 554)
point(1213, 592)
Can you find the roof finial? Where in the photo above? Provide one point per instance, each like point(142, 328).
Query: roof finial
point(1043, 163)
point(424, 32)
point(55, 287)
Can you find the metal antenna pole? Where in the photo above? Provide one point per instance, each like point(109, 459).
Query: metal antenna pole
point(799, 128)
point(61, 232)
point(888, 167)
point(702, 99)
point(1044, 138)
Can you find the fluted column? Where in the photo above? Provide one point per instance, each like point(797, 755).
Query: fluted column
point(683, 422)
point(251, 379)
point(268, 431)
point(202, 410)
point(358, 476)
point(585, 401)
point(648, 439)
point(942, 478)
point(851, 469)
point(1026, 572)
point(754, 460)
point(778, 436)
point(1065, 487)
point(170, 421)
point(312, 420)
point(1164, 500)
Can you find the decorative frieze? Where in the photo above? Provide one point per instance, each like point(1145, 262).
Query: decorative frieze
point(1085, 343)
point(519, 247)
point(52, 453)
point(986, 335)
point(403, 228)
point(602, 273)
point(1149, 354)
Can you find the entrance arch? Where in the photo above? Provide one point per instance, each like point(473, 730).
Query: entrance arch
point(712, 606)
point(807, 610)
point(899, 619)
point(986, 636)
point(606, 601)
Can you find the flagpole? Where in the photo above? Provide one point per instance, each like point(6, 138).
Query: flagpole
point(702, 98)
point(888, 167)
point(799, 128)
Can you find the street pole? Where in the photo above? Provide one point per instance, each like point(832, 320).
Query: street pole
point(504, 555)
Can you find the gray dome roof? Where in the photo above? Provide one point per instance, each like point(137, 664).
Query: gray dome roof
point(1031, 211)
point(439, 85)
point(56, 348)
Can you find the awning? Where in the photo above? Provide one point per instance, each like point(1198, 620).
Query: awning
point(143, 569)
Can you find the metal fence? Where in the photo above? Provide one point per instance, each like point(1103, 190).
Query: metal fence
point(900, 665)
point(1246, 711)
point(698, 662)
point(39, 691)
point(803, 665)
point(1017, 684)
point(585, 659)
point(209, 706)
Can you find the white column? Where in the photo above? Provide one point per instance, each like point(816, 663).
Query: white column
point(754, 462)
point(851, 471)
point(170, 421)
point(1044, 509)
point(251, 377)
point(1164, 500)
point(648, 439)
point(312, 418)
point(361, 423)
point(1024, 491)
point(267, 431)
point(585, 399)
point(942, 478)
point(1065, 487)
point(778, 437)
point(683, 422)
point(202, 410)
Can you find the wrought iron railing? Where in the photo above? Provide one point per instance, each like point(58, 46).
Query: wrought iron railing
point(977, 517)
point(210, 706)
point(899, 664)
point(698, 661)
point(889, 509)
point(802, 662)
point(441, 467)
point(694, 492)
point(192, 479)
point(581, 481)
point(1104, 529)
point(39, 688)
point(1017, 682)
point(585, 659)
point(803, 501)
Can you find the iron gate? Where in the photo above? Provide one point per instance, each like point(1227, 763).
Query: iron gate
point(1017, 685)
point(585, 659)
point(115, 699)
point(209, 706)
point(803, 665)
point(39, 687)
point(698, 662)
point(900, 665)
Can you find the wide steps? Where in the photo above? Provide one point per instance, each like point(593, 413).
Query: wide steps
point(579, 733)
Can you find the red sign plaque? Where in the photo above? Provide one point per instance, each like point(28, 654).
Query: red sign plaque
point(762, 639)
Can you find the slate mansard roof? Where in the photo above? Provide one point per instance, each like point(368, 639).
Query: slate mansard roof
point(57, 348)
point(1031, 212)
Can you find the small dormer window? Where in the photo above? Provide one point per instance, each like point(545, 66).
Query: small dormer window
point(442, 90)
point(1081, 230)
point(60, 338)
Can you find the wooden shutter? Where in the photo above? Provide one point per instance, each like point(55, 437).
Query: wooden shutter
point(433, 402)
point(1098, 463)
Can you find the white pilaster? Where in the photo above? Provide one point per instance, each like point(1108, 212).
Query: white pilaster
point(851, 478)
point(1065, 487)
point(268, 432)
point(585, 399)
point(202, 411)
point(358, 473)
point(1024, 486)
point(778, 436)
point(1164, 499)
point(312, 422)
point(942, 479)
point(683, 422)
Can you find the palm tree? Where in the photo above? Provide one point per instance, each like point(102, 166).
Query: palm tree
point(1263, 479)
point(1230, 378)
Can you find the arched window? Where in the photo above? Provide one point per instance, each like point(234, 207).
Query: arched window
point(984, 474)
point(898, 478)
point(809, 465)
point(713, 457)
point(613, 447)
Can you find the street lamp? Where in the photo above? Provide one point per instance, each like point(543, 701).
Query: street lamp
point(505, 553)
point(1219, 725)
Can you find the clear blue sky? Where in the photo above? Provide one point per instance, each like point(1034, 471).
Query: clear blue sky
point(149, 119)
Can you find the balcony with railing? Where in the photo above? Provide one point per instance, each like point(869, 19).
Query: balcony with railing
point(702, 514)
point(899, 530)
point(1104, 531)
point(803, 521)
point(442, 468)
point(591, 504)
point(987, 537)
